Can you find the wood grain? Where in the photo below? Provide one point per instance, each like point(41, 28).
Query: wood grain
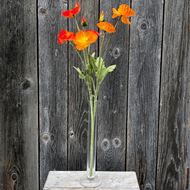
point(78, 96)
point(18, 96)
point(175, 97)
point(52, 89)
point(143, 91)
point(113, 98)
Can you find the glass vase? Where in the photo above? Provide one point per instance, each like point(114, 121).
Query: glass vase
point(91, 179)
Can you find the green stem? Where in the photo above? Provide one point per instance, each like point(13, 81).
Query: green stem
point(77, 25)
point(82, 61)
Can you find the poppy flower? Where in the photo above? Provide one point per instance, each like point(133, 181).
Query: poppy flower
point(101, 19)
point(84, 22)
point(106, 26)
point(64, 36)
point(83, 39)
point(124, 11)
point(71, 13)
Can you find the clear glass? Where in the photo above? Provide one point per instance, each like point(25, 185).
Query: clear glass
point(91, 179)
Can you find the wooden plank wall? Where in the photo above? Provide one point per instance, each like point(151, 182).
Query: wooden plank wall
point(144, 106)
point(18, 96)
point(52, 89)
point(113, 99)
point(174, 97)
point(143, 91)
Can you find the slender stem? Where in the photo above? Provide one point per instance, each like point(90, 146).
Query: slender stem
point(102, 44)
point(76, 22)
point(82, 61)
point(92, 115)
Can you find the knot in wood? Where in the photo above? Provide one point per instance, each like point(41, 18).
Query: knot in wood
point(116, 52)
point(46, 137)
point(143, 25)
point(25, 84)
point(71, 134)
point(116, 142)
point(43, 11)
point(105, 145)
point(148, 186)
point(14, 176)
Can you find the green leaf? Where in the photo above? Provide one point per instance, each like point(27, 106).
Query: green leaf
point(81, 75)
point(103, 71)
point(111, 68)
point(99, 62)
point(93, 54)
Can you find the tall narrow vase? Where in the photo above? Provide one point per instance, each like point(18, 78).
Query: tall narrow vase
point(91, 179)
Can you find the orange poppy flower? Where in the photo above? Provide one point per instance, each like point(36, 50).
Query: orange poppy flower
point(83, 39)
point(71, 13)
point(64, 36)
point(124, 11)
point(106, 26)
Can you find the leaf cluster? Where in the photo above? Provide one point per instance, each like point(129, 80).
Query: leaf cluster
point(94, 72)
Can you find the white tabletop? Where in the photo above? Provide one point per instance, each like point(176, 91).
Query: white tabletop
point(65, 180)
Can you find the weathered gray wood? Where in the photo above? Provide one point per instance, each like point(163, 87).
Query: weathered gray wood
point(109, 180)
point(175, 97)
point(113, 98)
point(78, 97)
point(52, 89)
point(143, 91)
point(188, 156)
point(18, 96)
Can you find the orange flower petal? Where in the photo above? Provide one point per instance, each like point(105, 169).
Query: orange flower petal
point(115, 13)
point(67, 14)
point(125, 10)
point(76, 9)
point(106, 26)
point(83, 38)
point(125, 20)
point(81, 47)
point(64, 36)
point(71, 13)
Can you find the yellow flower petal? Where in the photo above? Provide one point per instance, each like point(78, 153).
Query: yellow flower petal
point(101, 19)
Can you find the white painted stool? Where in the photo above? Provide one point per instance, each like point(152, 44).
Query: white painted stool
point(66, 180)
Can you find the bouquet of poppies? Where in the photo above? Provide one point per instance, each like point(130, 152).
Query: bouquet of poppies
point(92, 68)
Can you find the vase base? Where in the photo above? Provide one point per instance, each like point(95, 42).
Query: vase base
point(91, 183)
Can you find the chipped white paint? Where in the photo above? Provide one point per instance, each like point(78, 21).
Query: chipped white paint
point(65, 180)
